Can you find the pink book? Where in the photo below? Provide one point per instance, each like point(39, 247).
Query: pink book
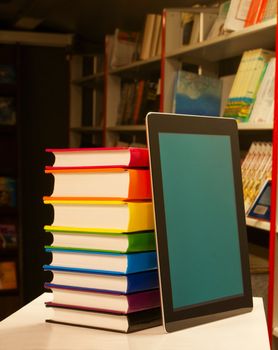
point(90, 299)
point(129, 157)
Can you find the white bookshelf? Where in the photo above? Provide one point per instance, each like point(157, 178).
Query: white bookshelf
point(262, 225)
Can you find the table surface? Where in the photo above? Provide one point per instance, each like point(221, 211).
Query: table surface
point(26, 329)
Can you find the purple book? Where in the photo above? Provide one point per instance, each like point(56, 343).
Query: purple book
point(104, 301)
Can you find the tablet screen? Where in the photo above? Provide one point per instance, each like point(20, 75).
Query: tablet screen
point(200, 207)
point(200, 220)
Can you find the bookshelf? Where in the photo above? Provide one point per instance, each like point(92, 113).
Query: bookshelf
point(86, 100)
point(10, 213)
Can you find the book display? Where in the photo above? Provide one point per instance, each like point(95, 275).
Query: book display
point(103, 255)
point(214, 43)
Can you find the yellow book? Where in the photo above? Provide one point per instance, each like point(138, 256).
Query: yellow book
point(101, 216)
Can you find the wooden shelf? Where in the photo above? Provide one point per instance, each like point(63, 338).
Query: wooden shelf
point(263, 225)
point(228, 45)
point(90, 80)
point(255, 126)
point(148, 65)
point(87, 129)
point(127, 128)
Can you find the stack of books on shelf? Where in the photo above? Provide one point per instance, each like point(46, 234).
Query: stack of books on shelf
point(104, 262)
point(256, 176)
point(250, 74)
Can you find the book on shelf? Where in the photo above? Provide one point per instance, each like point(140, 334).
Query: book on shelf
point(256, 169)
point(217, 28)
point(121, 283)
point(7, 111)
point(236, 16)
point(128, 323)
point(113, 242)
point(246, 84)
point(104, 300)
point(263, 109)
point(102, 216)
point(100, 157)
point(7, 192)
point(7, 74)
point(270, 10)
point(95, 261)
point(8, 236)
point(8, 276)
point(202, 24)
point(196, 94)
point(151, 37)
point(187, 19)
point(227, 83)
point(255, 12)
point(116, 183)
point(260, 209)
point(124, 48)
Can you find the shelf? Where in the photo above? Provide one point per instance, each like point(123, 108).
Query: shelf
point(87, 129)
point(148, 65)
point(229, 45)
point(275, 332)
point(127, 128)
point(263, 225)
point(255, 126)
point(90, 80)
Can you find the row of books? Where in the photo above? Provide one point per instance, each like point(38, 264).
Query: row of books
point(247, 96)
point(256, 172)
point(133, 46)
point(248, 12)
point(137, 99)
point(104, 262)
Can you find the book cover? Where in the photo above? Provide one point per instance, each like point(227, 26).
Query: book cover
point(104, 301)
point(236, 16)
point(197, 94)
point(80, 260)
point(114, 322)
point(130, 283)
point(260, 209)
point(255, 11)
point(124, 216)
point(101, 157)
point(113, 242)
point(116, 183)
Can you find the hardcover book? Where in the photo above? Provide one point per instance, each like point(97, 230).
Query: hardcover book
point(101, 157)
point(126, 284)
point(104, 301)
point(128, 323)
point(113, 242)
point(116, 183)
point(80, 260)
point(102, 216)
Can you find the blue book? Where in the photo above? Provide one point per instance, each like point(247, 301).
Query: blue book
point(197, 94)
point(92, 261)
point(260, 209)
point(118, 283)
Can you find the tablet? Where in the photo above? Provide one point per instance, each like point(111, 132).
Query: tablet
point(200, 219)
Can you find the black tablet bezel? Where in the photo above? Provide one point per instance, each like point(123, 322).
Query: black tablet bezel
point(171, 123)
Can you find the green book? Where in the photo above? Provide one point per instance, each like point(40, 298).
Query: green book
point(109, 242)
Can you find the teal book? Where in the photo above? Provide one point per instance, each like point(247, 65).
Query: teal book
point(197, 94)
point(82, 261)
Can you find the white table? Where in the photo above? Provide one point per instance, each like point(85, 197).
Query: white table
point(26, 329)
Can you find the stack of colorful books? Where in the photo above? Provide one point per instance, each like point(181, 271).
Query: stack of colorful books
point(104, 261)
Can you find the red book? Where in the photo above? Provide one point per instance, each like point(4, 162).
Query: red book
point(89, 299)
point(129, 157)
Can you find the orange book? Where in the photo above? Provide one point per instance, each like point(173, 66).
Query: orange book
point(255, 12)
point(102, 183)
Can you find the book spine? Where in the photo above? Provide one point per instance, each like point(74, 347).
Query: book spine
point(137, 262)
point(142, 281)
